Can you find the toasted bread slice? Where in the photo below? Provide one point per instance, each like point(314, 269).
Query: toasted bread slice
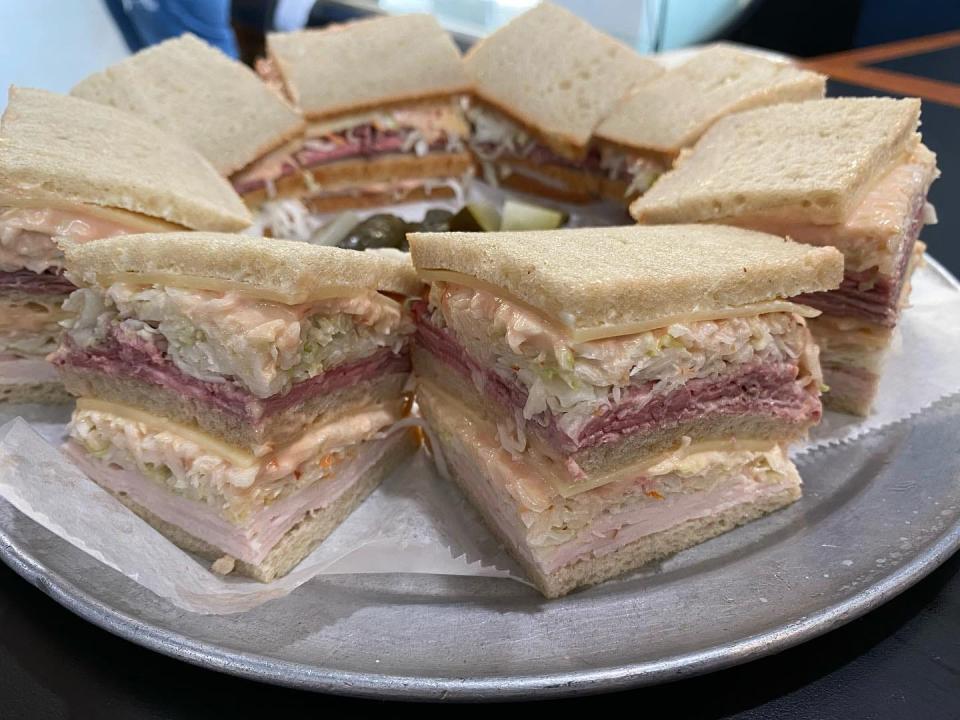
point(809, 162)
point(672, 111)
point(603, 282)
point(555, 74)
point(367, 63)
point(280, 270)
point(55, 147)
point(194, 91)
point(344, 175)
point(337, 202)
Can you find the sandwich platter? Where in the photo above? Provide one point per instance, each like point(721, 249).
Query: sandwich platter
point(879, 512)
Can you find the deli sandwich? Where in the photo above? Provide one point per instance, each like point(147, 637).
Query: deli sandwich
point(239, 394)
point(851, 173)
point(384, 124)
point(606, 397)
point(542, 84)
point(73, 171)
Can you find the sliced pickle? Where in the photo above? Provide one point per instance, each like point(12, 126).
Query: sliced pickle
point(476, 218)
point(523, 216)
point(335, 230)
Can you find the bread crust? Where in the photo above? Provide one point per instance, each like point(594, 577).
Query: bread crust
point(337, 203)
point(45, 393)
point(576, 186)
point(347, 174)
point(292, 272)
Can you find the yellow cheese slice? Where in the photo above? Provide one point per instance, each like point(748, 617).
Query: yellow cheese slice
point(670, 461)
point(602, 332)
point(193, 282)
point(214, 446)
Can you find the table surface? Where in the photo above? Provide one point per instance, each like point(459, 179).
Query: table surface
point(902, 660)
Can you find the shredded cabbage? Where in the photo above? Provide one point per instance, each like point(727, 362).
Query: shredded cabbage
point(265, 346)
point(185, 468)
point(576, 381)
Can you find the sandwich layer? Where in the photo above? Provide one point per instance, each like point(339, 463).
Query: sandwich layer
point(278, 271)
point(391, 172)
point(565, 542)
point(592, 406)
point(505, 150)
point(603, 282)
point(22, 284)
point(248, 370)
point(28, 378)
point(415, 140)
point(380, 194)
point(270, 541)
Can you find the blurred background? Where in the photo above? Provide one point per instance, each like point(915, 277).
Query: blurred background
point(36, 36)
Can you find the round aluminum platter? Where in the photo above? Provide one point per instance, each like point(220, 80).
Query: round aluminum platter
point(877, 515)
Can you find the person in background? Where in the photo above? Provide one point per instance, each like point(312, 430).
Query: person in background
point(147, 22)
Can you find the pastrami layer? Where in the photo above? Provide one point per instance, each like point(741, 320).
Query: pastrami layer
point(867, 295)
point(26, 281)
point(766, 389)
point(224, 408)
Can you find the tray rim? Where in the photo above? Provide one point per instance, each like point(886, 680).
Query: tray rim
point(383, 686)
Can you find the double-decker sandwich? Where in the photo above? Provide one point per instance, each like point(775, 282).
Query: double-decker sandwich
point(77, 170)
point(384, 124)
point(608, 396)
point(192, 90)
point(235, 392)
point(847, 172)
point(542, 84)
point(669, 113)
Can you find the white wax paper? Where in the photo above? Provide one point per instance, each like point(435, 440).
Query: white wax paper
point(416, 522)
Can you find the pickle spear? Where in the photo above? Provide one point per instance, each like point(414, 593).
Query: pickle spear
point(475, 218)
point(523, 216)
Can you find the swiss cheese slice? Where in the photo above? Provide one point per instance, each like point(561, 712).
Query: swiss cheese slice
point(602, 332)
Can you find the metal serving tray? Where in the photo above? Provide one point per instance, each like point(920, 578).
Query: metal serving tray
point(877, 515)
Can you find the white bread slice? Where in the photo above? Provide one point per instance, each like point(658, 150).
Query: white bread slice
point(41, 393)
point(337, 202)
point(672, 111)
point(55, 147)
point(194, 91)
point(809, 162)
point(367, 63)
point(555, 74)
point(279, 270)
point(592, 278)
